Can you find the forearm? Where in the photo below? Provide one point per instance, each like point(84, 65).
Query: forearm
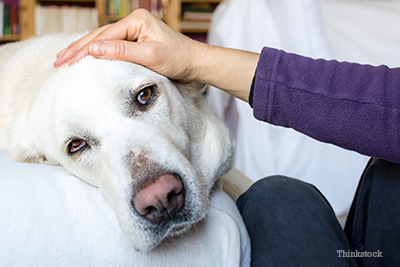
point(228, 69)
point(353, 106)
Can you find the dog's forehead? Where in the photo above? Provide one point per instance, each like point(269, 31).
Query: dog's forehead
point(94, 80)
point(108, 75)
point(95, 92)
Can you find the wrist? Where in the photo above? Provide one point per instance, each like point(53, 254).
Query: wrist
point(199, 62)
point(228, 69)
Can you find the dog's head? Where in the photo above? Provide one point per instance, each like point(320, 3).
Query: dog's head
point(151, 145)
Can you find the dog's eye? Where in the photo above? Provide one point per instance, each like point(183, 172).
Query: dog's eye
point(76, 145)
point(145, 95)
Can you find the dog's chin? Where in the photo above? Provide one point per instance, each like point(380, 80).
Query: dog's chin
point(147, 244)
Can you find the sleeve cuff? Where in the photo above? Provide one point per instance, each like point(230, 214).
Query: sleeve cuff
point(252, 91)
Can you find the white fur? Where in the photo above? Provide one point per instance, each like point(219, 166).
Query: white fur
point(41, 108)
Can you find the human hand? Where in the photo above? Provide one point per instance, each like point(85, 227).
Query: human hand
point(143, 39)
point(139, 38)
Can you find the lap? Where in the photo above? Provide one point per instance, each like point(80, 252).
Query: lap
point(290, 223)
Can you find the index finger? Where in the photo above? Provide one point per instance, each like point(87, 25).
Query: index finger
point(128, 28)
point(67, 54)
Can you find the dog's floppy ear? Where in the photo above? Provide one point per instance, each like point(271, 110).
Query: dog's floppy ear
point(24, 153)
point(216, 146)
point(23, 147)
point(192, 90)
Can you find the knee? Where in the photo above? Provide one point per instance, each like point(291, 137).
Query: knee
point(276, 191)
point(379, 171)
point(278, 182)
point(276, 185)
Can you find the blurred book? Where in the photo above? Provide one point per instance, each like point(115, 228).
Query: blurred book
point(201, 37)
point(7, 20)
point(121, 8)
point(9, 24)
point(1, 19)
point(68, 19)
point(191, 15)
point(14, 24)
point(197, 11)
point(195, 25)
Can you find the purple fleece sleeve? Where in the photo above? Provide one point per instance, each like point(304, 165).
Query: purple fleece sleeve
point(356, 107)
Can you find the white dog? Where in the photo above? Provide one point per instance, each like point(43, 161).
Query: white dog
point(152, 146)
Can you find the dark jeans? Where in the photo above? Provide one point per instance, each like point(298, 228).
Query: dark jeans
point(290, 222)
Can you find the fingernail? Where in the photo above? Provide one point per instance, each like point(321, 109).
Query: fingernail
point(97, 48)
point(59, 57)
point(61, 53)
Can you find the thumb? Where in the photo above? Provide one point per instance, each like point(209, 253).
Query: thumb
point(114, 50)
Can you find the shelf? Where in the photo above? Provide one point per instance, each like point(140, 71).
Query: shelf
point(66, 1)
point(188, 19)
point(201, 1)
point(194, 26)
point(10, 38)
point(112, 18)
point(197, 30)
point(173, 16)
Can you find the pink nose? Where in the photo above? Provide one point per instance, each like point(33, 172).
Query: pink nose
point(161, 200)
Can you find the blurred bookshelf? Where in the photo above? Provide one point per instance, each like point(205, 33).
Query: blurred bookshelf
point(21, 19)
point(9, 25)
point(191, 17)
point(10, 38)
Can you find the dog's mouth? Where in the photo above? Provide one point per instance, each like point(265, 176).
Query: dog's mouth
point(160, 198)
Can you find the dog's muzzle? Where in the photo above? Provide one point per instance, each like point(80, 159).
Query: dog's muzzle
point(159, 201)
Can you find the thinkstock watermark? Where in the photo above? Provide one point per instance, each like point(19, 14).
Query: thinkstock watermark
point(359, 254)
